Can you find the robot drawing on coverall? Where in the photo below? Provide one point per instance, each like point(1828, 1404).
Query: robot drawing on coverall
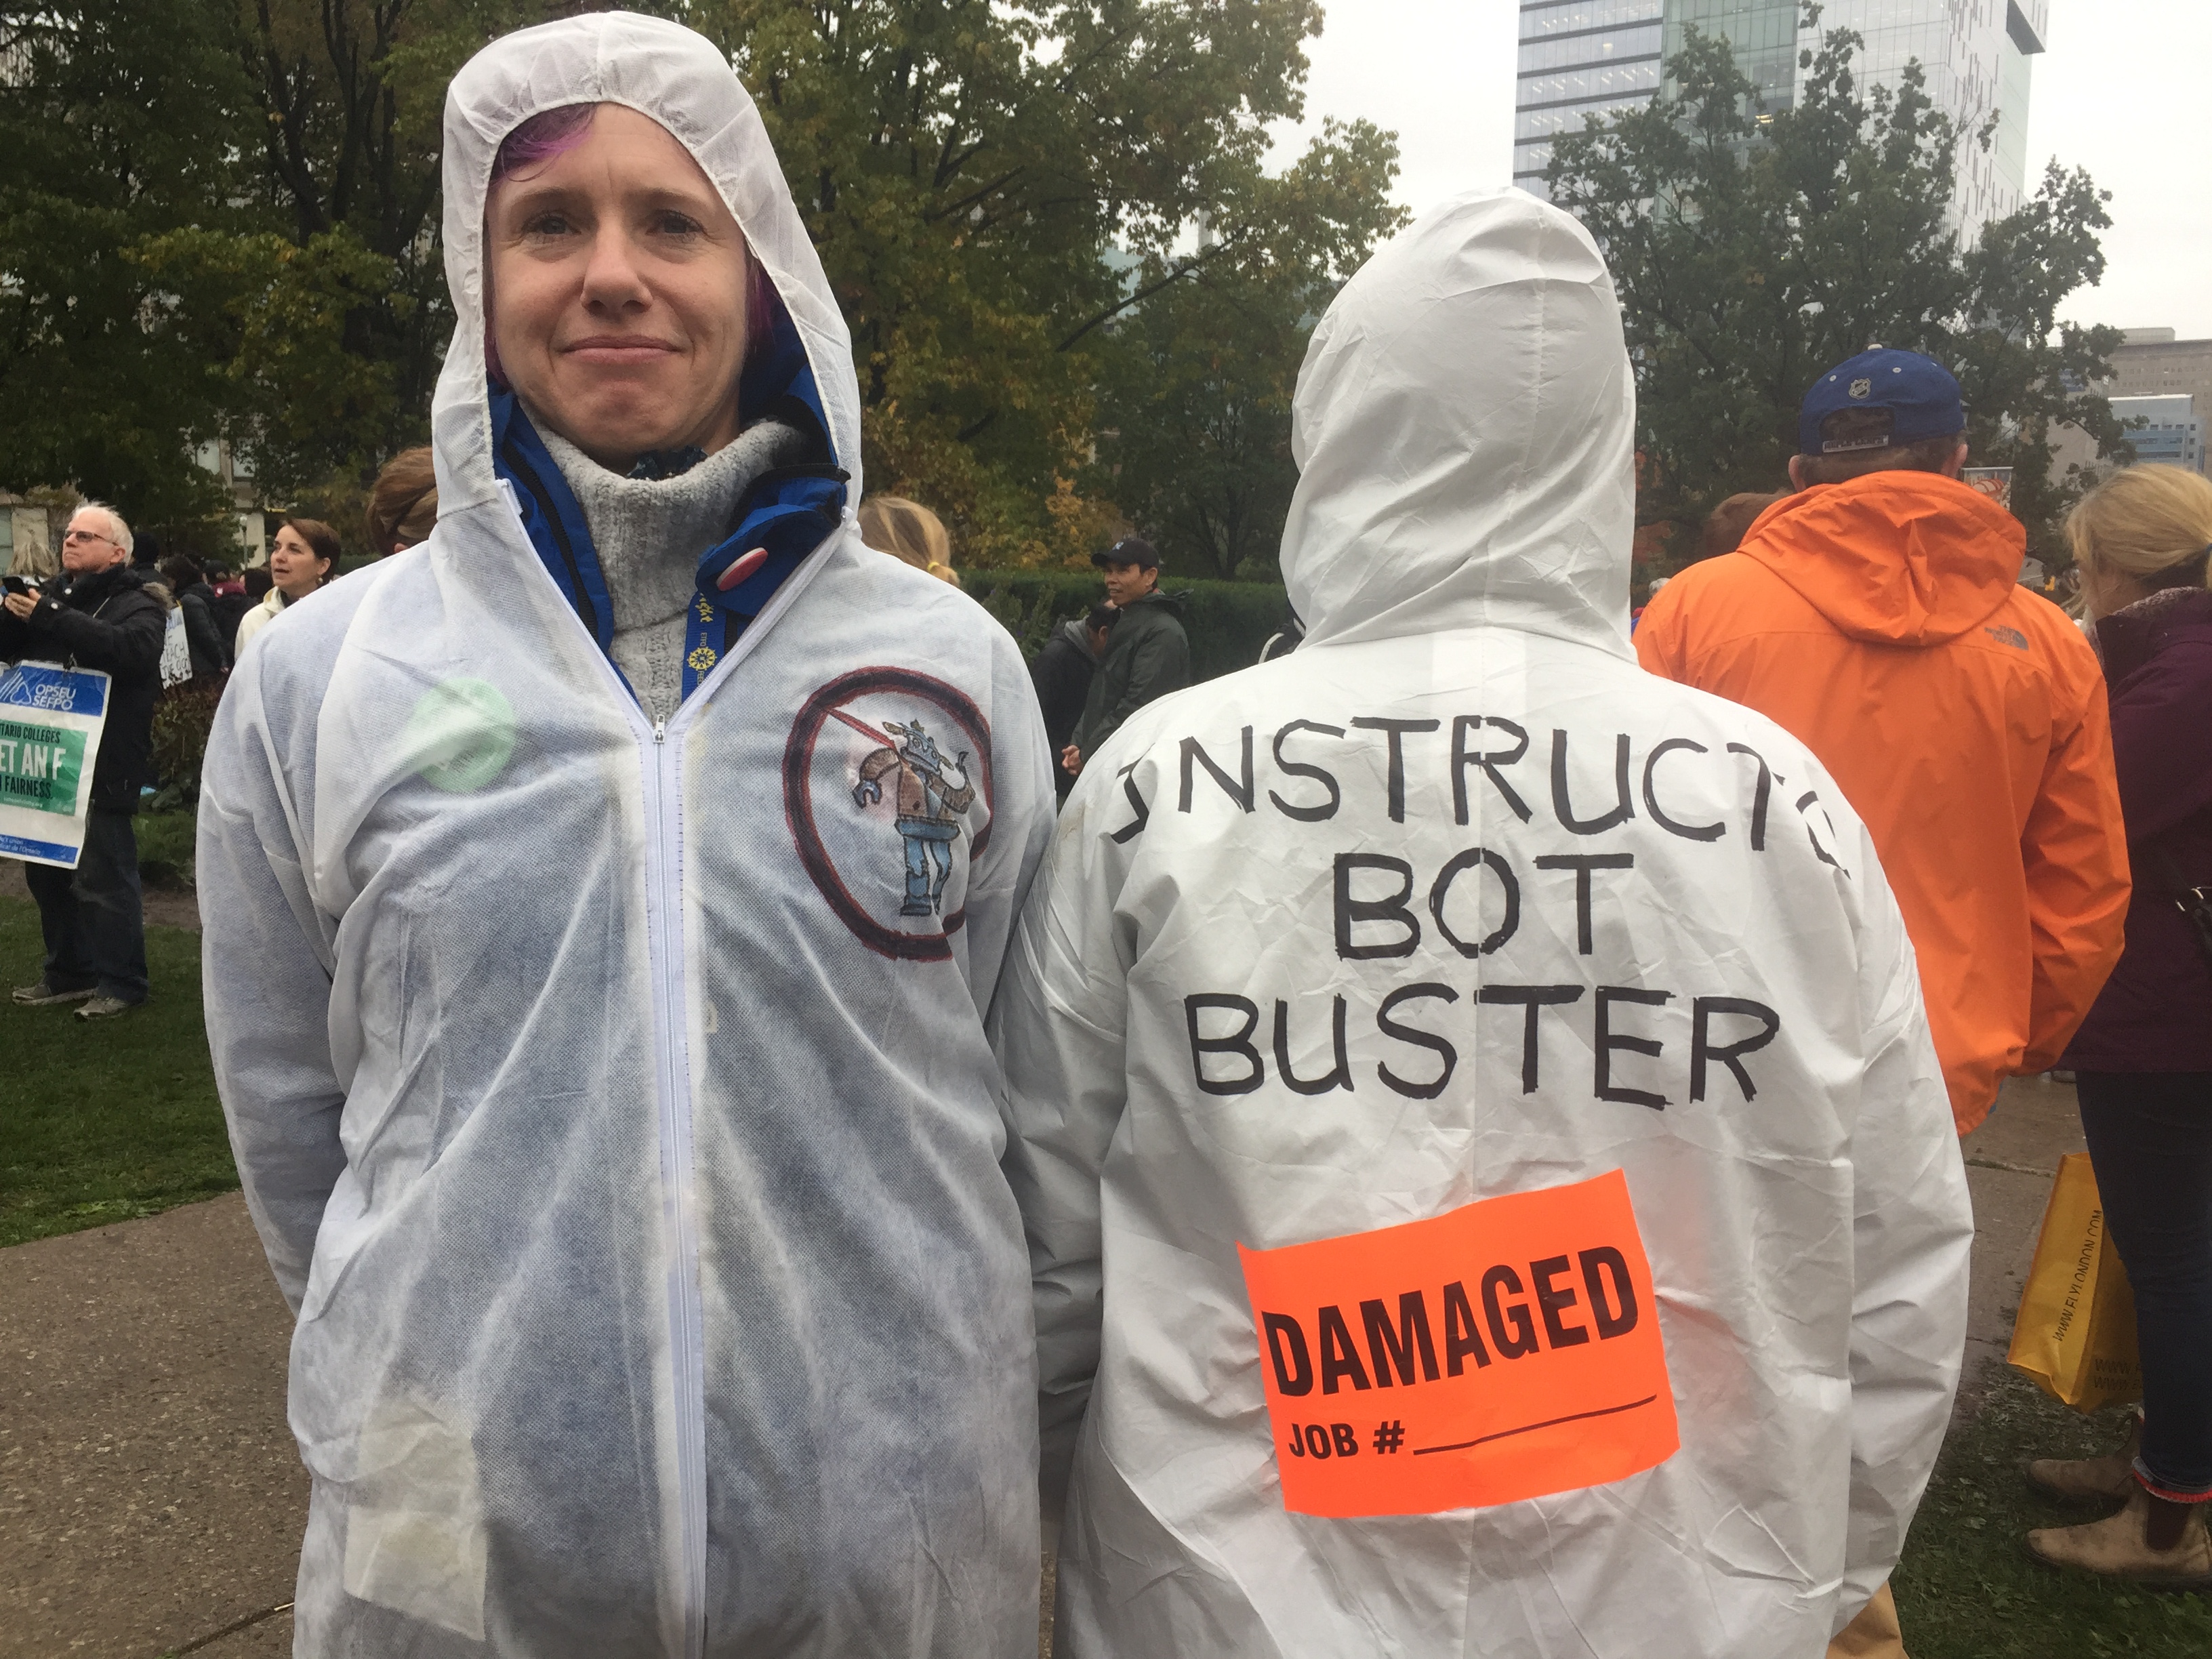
point(932, 792)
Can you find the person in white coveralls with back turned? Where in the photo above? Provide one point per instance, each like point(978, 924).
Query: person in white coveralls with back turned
point(626, 1141)
point(1490, 1185)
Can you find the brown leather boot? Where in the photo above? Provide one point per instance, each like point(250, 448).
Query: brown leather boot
point(2115, 1547)
point(2091, 1479)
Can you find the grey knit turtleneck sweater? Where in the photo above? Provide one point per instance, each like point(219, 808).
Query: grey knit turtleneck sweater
point(649, 533)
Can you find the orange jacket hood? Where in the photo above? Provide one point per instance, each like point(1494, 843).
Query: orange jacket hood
point(1898, 558)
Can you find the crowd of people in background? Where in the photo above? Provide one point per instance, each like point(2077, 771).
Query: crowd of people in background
point(1845, 816)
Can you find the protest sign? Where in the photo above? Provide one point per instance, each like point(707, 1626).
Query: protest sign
point(50, 719)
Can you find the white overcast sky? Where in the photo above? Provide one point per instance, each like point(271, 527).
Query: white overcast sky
point(2121, 91)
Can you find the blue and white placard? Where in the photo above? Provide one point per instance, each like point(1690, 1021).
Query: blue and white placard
point(51, 720)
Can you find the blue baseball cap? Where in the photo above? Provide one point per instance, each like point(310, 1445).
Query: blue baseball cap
point(1917, 393)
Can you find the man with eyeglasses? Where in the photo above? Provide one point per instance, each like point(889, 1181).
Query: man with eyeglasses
point(99, 616)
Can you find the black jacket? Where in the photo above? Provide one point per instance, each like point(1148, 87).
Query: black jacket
point(229, 610)
point(105, 620)
point(1147, 656)
point(210, 650)
point(1062, 675)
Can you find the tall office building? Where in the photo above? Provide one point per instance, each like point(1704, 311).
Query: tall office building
point(1581, 57)
point(2167, 383)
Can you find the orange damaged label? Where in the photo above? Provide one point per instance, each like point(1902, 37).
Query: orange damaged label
point(1505, 1350)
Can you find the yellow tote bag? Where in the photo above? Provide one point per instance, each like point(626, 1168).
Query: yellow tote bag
point(2075, 1334)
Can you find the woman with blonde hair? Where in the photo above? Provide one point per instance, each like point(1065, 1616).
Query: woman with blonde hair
point(907, 529)
point(2143, 541)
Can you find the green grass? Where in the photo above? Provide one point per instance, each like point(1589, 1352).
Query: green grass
point(104, 1122)
point(165, 847)
point(1968, 1587)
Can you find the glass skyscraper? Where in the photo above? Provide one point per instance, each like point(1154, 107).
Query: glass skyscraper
point(1579, 58)
point(1762, 33)
point(1595, 56)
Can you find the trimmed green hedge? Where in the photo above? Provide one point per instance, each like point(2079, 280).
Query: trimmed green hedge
point(1227, 622)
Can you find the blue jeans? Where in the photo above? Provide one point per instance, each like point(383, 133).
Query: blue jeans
point(928, 862)
point(2150, 1139)
point(94, 917)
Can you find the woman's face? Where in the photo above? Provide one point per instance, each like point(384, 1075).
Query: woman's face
point(293, 565)
point(616, 287)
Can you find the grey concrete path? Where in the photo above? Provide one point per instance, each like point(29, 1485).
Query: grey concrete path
point(2010, 1161)
point(150, 1495)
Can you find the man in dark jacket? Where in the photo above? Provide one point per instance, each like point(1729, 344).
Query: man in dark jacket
point(1063, 672)
point(209, 643)
point(1147, 657)
point(97, 615)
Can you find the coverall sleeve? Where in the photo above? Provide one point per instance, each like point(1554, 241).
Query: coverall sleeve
point(1061, 1028)
point(266, 962)
point(1912, 1233)
point(1159, 664)
point(1021, 821)
point(2074, 851)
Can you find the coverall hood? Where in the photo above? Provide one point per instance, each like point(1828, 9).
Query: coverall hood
point(678, 78)
point(1898, 558)
point(1465, 434)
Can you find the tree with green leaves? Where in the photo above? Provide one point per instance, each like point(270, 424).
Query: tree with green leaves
point(1752, 249)
point(1196, 385)
point(967, 169)
point(218, 221)
point(118, 132)
point(1001, 194)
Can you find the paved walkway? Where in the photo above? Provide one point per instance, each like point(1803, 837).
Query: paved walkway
point(151, 1496)
point(2010, 1160)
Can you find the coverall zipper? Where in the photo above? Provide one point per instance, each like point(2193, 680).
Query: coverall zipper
point(661, 764)
point(664, 913)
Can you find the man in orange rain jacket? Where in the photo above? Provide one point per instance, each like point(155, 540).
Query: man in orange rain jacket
point(1875, 614)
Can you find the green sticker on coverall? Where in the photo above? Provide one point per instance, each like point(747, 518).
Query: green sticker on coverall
point(461, 735)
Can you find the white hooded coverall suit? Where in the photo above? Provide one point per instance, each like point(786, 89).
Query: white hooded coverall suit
point(631, 1161)
point(1454, 915)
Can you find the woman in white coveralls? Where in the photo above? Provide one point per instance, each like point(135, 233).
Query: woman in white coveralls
point(625, 1145)
point(1492, 1188)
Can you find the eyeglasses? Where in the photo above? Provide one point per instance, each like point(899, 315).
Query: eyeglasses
point(87, 536)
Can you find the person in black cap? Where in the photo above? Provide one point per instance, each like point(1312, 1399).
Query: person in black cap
point(1147, 655)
